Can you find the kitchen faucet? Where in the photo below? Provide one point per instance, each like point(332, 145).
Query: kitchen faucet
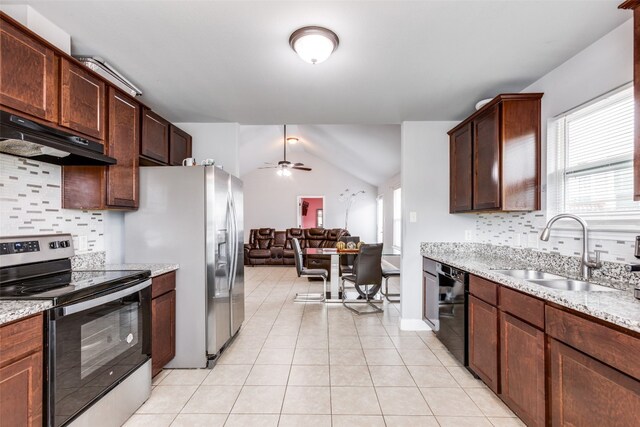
point(586, 264)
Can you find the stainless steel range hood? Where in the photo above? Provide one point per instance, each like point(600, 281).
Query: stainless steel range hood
point(23, 138)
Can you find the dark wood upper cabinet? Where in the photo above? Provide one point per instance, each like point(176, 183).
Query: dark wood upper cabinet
point(522, 374)
point(154, 147)
point(115, 186)
point(179, 146)
point(82, 100)
point(483, 342)
point(461, 170)
point(486, 159)
point(28, 75)
point(505, 156)
point(123, 143)
point(635, 6)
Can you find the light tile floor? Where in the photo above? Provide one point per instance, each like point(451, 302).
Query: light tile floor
point(316, 365)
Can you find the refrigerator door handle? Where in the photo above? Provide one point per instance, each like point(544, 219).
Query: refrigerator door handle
point(232, 239)
point(234, 245)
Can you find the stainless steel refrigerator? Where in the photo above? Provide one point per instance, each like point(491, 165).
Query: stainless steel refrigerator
point(193, 216)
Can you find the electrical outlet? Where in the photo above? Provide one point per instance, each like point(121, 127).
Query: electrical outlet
point(468, 235)
point(83, 243)
point(413, 216)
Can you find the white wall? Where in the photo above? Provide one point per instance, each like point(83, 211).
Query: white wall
point(218, 141)
point(601, 67)
point(386, 192)
point(270, 200)
point(32, 19)
point(425, 191)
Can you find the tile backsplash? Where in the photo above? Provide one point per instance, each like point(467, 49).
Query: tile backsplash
point(30, 203)
point(522, 229)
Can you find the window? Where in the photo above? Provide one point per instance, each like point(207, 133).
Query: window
point(594, 158)
point(397, 218)
point(380, 219)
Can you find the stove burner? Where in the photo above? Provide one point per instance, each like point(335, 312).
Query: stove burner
point(67, 286)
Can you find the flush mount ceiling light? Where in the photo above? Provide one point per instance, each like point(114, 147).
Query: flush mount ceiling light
point(292, 140)
point(314, 44)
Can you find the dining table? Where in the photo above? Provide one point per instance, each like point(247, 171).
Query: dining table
point(334, 273)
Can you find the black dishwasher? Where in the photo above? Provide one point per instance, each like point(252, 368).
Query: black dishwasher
point(453, 303)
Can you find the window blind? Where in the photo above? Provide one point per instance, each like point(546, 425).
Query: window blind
point(595, 151)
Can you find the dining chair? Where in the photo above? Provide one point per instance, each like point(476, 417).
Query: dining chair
point(366, 278)
point(388, 271)
point(308, 272)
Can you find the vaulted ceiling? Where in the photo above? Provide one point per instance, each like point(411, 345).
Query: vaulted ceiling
point(368, 152)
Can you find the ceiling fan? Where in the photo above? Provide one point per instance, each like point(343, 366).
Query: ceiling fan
point(284, 166)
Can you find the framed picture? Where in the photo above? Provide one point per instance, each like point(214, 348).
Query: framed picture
point(319, 218)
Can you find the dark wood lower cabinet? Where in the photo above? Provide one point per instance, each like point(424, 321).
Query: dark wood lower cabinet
point(522, 373)
point(21, 392)
point(21, 364)
point(163, 324)
point(483, 342)
point(552, 366)
point(586, 392)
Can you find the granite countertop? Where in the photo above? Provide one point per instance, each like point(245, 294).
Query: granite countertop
point(619, 307)
point(157, 269)
point(11, 310)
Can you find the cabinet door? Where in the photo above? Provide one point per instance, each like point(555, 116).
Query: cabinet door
point(163, 323)
point(486, 164)
point(461, 170)
point(586, 392)
point(123, 145)
point(179, 146)
point(483, 341)
point(155, 137)
point(82, 100)
point(28, 75)
point(21, 391)
point(522, 369)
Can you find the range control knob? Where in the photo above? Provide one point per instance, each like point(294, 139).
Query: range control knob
point(64, 243)
point(54, 245)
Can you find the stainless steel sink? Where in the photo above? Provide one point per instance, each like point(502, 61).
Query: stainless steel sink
point(554, 281)
point(572, 285)
point(529, 274)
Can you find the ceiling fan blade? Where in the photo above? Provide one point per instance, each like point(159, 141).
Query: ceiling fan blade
point(268, 167)
point(298, 164)
point(301, 168)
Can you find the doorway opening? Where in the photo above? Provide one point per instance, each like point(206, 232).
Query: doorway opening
point(311, 212)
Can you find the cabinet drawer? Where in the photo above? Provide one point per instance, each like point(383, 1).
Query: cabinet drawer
point(429, 266)
point(523, 306)
point(601, 342)
point(483, 289)
point(20, 338)
point(163, 284)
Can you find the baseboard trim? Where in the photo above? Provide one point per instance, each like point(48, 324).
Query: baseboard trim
point(413, 325)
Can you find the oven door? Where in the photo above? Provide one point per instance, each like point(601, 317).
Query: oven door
point(93, 345)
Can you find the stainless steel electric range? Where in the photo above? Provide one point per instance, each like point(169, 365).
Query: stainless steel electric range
point(97, 334)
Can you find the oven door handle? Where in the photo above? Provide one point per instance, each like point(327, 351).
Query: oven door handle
point(94, 302)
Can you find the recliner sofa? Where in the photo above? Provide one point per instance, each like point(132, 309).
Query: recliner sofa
point(270, 247)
